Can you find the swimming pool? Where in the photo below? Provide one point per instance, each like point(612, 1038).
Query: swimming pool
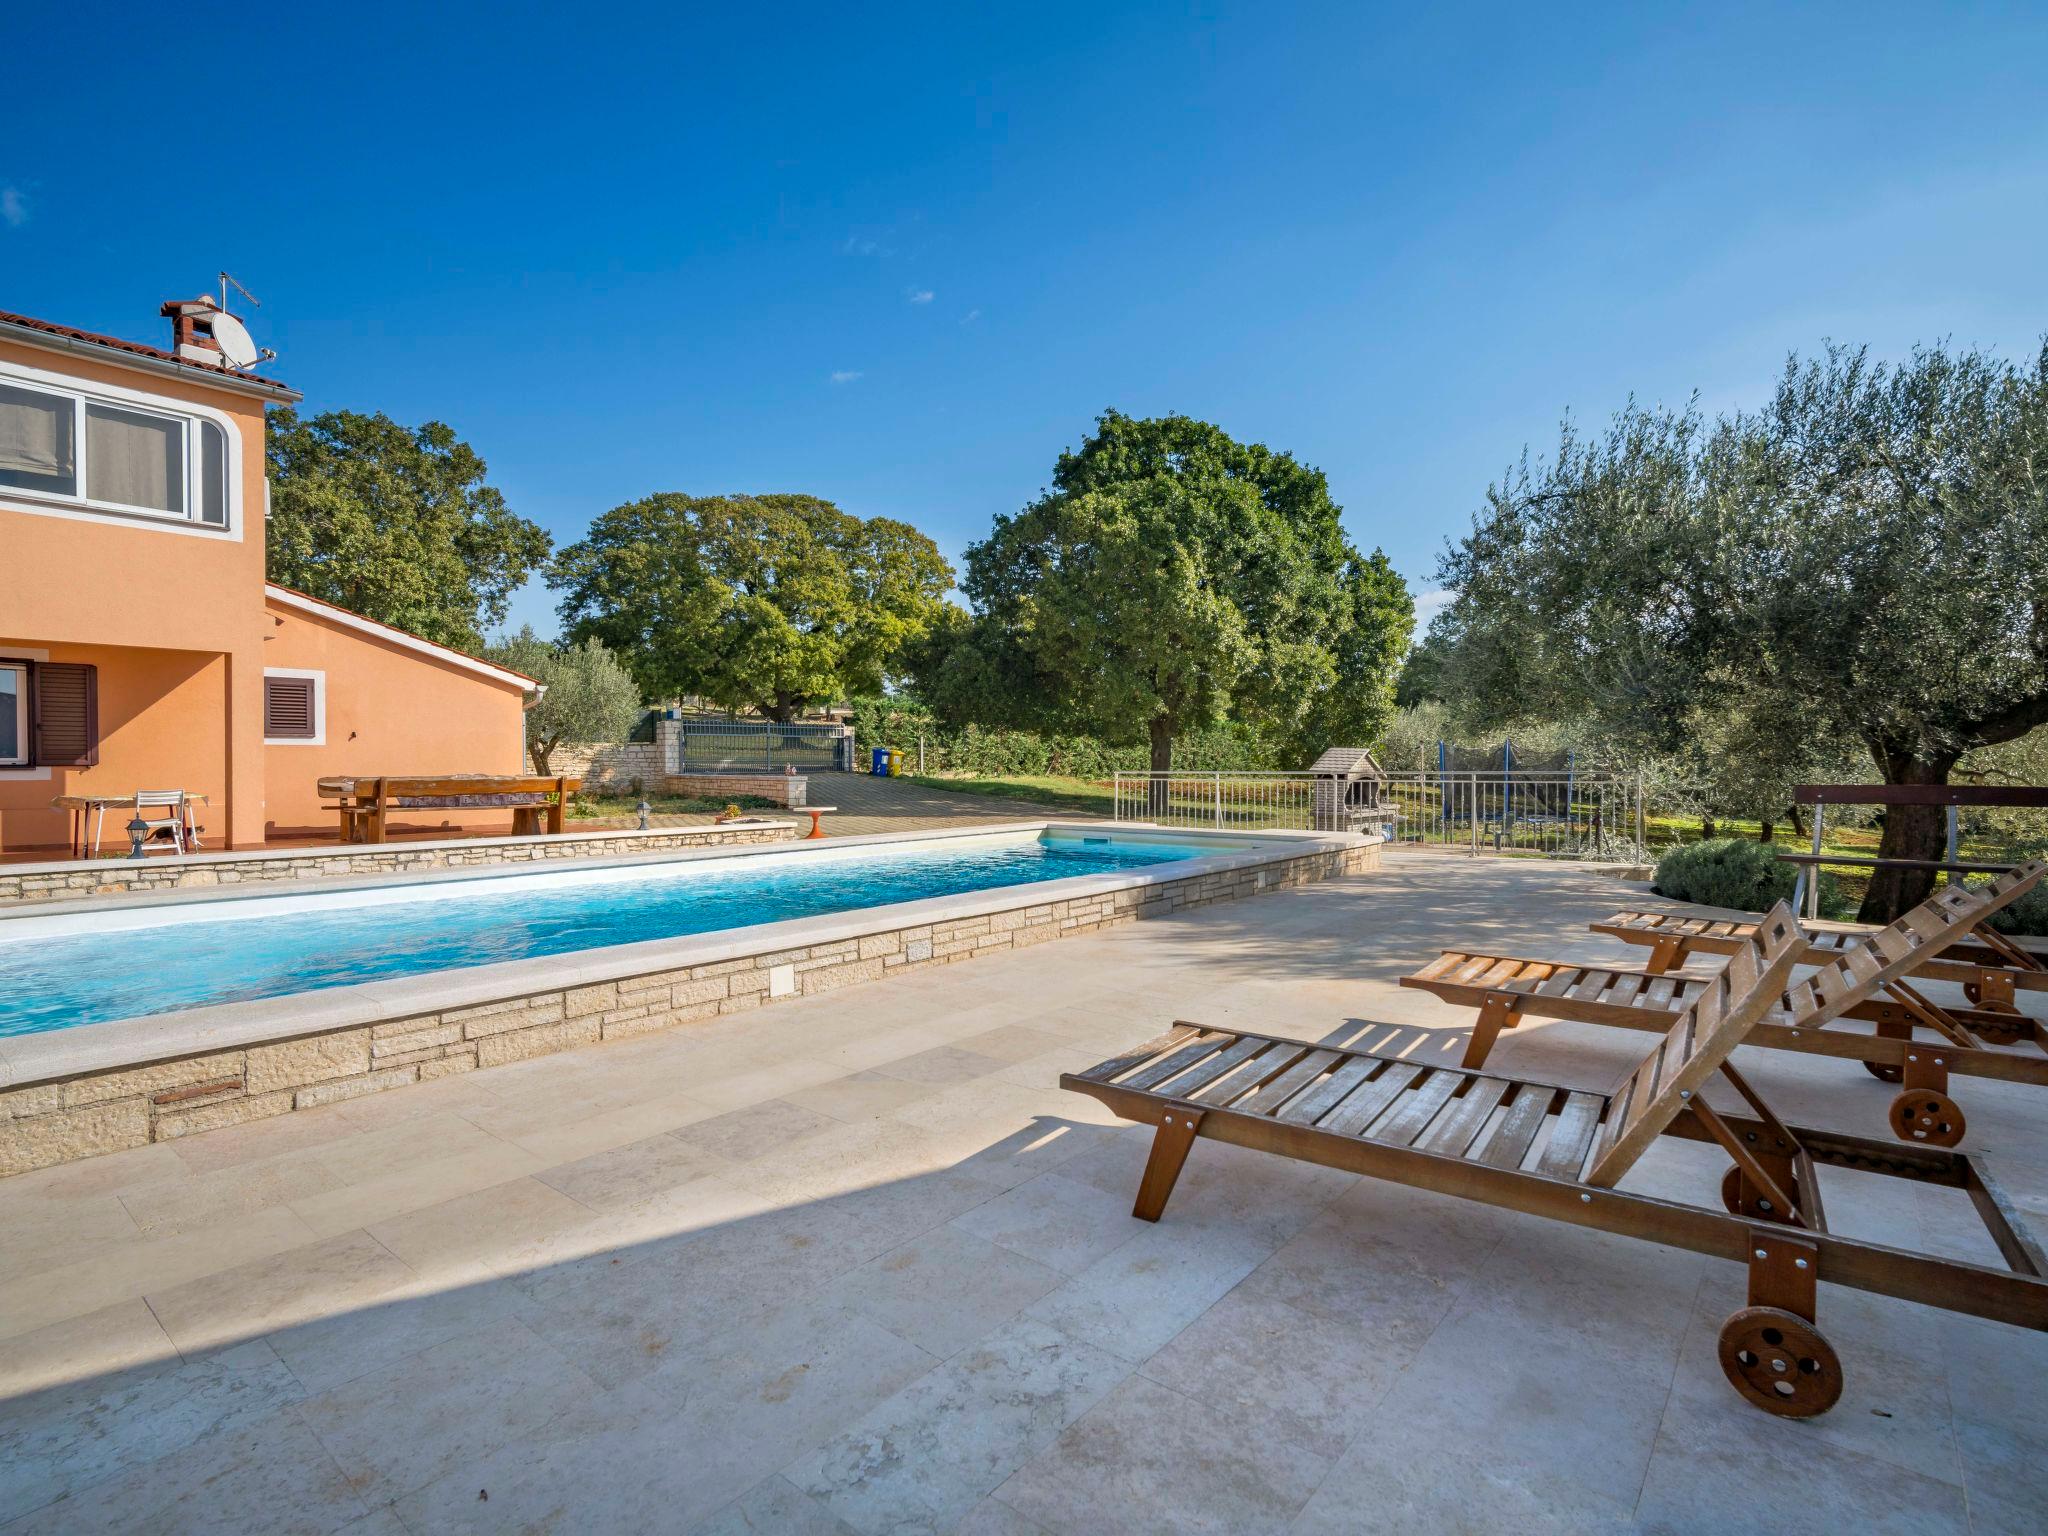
point(133, 961)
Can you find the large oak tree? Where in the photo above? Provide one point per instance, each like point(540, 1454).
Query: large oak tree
point(394, 522)
point(1170, 578)
point(770, 602)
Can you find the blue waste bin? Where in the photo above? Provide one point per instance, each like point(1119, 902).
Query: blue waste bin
point(879, 766)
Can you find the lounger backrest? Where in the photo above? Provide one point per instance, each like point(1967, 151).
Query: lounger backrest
point(1861, 970)
point(1702, 1038)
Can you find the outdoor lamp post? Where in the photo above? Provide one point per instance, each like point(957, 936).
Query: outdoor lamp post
point(138, 829)
point(645, 811)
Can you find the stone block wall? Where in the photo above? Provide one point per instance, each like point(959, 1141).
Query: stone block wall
point(122, 877)
point(782, 788)
point(54, 1122)
point(610, 768)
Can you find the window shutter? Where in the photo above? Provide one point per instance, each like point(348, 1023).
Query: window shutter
point(288, 708)
point(66, 715)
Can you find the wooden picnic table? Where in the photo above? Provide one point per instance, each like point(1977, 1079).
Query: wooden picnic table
point(364, 803)
point(83, 806)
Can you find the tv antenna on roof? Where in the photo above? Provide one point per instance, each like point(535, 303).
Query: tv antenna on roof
point(229, 334)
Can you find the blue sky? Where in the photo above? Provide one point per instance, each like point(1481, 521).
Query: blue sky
point(901, 256)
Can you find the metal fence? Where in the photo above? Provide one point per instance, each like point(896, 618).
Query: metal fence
point(759, 746)
point(1562, 815)
point(1247, 802)
point(1565, 815)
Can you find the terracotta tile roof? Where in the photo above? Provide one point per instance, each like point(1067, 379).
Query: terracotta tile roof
point(135, 348)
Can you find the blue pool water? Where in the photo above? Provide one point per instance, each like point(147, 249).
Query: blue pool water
point(281, 945)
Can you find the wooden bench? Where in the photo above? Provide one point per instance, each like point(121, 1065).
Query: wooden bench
point(364, 805)
point(1550, 1150)
point(1916, 1043)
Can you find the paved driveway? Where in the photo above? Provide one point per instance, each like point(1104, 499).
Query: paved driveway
point(868, 804)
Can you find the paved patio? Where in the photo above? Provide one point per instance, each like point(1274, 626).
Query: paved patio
point(855, 1264)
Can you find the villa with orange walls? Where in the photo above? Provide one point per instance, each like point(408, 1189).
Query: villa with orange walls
point(141, 647)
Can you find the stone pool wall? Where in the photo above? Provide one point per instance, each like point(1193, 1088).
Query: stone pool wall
point(55, 1121)
point(127, 877)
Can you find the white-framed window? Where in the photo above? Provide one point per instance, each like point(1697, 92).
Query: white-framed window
point(107, 450)
point(294, 707)
point(13, 714)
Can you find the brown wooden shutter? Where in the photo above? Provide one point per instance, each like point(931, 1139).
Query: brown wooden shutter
point(66, 715)
point(288, 708)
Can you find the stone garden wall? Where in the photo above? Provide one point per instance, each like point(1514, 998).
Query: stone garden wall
point(21, 883)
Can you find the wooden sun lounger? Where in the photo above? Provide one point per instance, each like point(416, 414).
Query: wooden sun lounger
point(1989, 966)
point(1914, 1042)
point(1551, 1150)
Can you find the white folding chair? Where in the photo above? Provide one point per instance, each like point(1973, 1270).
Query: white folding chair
point(147, 800)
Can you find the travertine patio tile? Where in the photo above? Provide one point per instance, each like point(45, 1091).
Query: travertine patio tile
point(44, 1233)
point(114, 1339)
point(264, 1477)
point(942, 1064)
point(119, 1274)
point(1056, 1220)
point(396, 1429)
point(1150, 1459)
point(944, 1289)
point(861, 1096)
point(610, 1335)
point(75, 1436)
point(1710, 1472)
point(670, 1451)
point(763, 1129)
point(776, 1505)
point(390, 1195)
point(928, 1455)
point(475, 1236)
point(279, 1290)
point(1302, 1379)
point(625, 1174)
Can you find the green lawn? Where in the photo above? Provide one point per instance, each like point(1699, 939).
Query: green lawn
point(1087, 796)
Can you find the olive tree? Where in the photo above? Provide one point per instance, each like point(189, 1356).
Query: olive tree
point(584, 695)
point(1864, 559)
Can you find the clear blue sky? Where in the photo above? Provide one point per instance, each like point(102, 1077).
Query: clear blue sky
point(899, 257)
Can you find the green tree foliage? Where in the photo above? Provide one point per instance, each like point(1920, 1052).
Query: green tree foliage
point(1864, 560)
point(1170, 578)
point(765, 602)
point(394, 522)
point(587, 695)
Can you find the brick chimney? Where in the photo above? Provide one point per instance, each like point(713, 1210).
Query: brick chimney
point(192, 329)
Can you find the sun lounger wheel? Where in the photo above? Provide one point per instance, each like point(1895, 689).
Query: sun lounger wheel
point(1780, 1362)
point(1885, 1071)
point(1930, 1118)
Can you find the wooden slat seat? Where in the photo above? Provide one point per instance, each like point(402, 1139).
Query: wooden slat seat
point(1551, 1150)
point(1865, 981)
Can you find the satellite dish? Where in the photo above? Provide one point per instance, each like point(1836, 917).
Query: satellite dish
point(232, 337)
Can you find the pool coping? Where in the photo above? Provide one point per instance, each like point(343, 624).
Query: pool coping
point(61, 1054)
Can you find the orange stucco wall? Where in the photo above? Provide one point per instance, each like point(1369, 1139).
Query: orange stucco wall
point(389, 710)
point(67, 584)
point(177, 623)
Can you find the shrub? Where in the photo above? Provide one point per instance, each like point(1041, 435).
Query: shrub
point(1736, 872)
point(2028, 916)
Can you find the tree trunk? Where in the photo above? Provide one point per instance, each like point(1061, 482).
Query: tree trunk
point(1161, 732)
point(541, 751)
point(1798, 821)
point(1767, 832)
point(1910, 832)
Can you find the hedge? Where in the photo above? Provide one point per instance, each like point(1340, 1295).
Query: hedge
point(1736, 872)
point(980, 753)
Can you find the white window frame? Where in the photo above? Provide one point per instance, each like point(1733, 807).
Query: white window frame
point(81, 506)
point(319, 736)
point(20, 668)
